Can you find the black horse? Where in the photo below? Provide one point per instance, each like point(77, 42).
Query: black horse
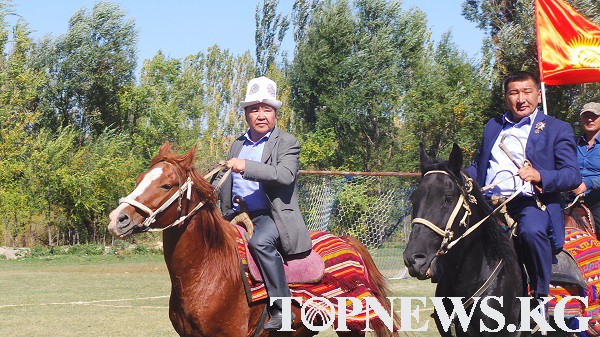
point(468, 255)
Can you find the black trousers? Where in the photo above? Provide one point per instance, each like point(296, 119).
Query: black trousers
point(264, 245)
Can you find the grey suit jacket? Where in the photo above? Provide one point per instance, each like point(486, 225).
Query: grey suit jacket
point(277, 172)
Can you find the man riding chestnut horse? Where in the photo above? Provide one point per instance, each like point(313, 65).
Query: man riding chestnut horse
point(264, 165)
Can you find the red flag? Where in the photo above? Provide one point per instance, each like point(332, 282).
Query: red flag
point(568, 44)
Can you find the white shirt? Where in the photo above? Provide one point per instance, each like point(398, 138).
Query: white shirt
point(500, 166)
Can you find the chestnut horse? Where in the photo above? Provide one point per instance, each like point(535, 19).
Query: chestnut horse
point(207, 291)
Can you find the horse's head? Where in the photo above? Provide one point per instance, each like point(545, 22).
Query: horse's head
point(156, 201)
point(438, 212)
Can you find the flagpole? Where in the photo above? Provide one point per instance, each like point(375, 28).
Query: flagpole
point(545, 107)
point(539, 50)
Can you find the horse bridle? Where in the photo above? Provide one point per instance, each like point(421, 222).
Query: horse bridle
point(186, 187)
point(462, 203)
point(447, 233)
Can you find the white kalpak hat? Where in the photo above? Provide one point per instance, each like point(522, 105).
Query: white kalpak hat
point(261, 90)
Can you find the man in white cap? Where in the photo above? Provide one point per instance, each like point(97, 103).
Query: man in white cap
point(264, 162)
point(588, 157)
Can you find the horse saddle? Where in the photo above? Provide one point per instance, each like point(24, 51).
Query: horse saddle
point(308, 269)
point(567, 271)
point(579, 216)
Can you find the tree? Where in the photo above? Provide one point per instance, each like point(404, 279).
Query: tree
point(193, 101)
point(445, 104)
point(301, 14)
point(20, 82)
point(158, 115)
point(224, 83)
point(350, 73)
point(90, 65)
point(78, 185)
point(270, 31)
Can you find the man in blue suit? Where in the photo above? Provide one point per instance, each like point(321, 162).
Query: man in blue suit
point(544, 148)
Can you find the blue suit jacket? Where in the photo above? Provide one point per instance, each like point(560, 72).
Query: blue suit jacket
point(551, 151)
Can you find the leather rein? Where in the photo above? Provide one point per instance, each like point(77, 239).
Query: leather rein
point(464, 201)
point(185, 189)
point(448, 234)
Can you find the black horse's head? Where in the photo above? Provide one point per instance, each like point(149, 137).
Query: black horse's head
point(435, 200)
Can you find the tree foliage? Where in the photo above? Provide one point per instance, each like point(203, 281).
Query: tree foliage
point(301, 14)
point(270, 31)
point(445, 104)
point(90, 66)
point(19, 92)
point(351, 71)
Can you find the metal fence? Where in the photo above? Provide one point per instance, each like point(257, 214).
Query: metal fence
point(371, 206)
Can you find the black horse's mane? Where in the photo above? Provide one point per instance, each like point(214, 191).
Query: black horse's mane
point(497, 239)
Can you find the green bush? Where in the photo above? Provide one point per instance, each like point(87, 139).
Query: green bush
point(41, 250)
point(120, 247)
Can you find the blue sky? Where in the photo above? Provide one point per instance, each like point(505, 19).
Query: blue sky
point(184, 27)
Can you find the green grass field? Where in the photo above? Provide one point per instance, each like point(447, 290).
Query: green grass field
point(108, 295)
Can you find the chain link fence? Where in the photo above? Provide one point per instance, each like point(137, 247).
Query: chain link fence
point(373, 207)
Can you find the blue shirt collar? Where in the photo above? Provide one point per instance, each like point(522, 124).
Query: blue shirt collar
point(581, 140)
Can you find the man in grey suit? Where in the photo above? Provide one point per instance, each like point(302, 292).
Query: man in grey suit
point(264, 164)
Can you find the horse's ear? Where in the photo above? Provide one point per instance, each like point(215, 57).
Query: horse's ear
point(188, 158)
point(456, 159)
point(425, 160)
point(165, 149)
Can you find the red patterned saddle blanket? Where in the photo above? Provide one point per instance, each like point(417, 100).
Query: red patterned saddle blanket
point(345, 275)
point(309, 269)
point(585, 249)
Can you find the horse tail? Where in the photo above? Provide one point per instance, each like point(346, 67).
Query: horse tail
point(379, 285)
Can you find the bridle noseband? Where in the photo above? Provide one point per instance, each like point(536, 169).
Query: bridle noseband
point(448, 234)
point(186, 187)
point(463, 203)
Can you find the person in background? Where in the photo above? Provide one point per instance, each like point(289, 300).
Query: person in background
point(588, 157)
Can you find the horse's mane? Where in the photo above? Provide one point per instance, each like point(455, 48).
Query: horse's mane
point(497, 242)
point(214, 232)
point(204, 189)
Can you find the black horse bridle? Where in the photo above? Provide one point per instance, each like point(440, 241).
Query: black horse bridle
point(464, 201)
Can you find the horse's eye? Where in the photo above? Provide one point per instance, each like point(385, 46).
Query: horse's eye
point(166, 187)
point(448, 199)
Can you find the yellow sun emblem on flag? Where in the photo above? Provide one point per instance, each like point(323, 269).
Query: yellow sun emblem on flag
point(584, 52)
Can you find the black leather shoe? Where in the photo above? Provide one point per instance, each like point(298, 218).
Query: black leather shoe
point(542, 308)
point(276, 320)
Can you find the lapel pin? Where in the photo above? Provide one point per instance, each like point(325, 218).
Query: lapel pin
point(539, 127)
